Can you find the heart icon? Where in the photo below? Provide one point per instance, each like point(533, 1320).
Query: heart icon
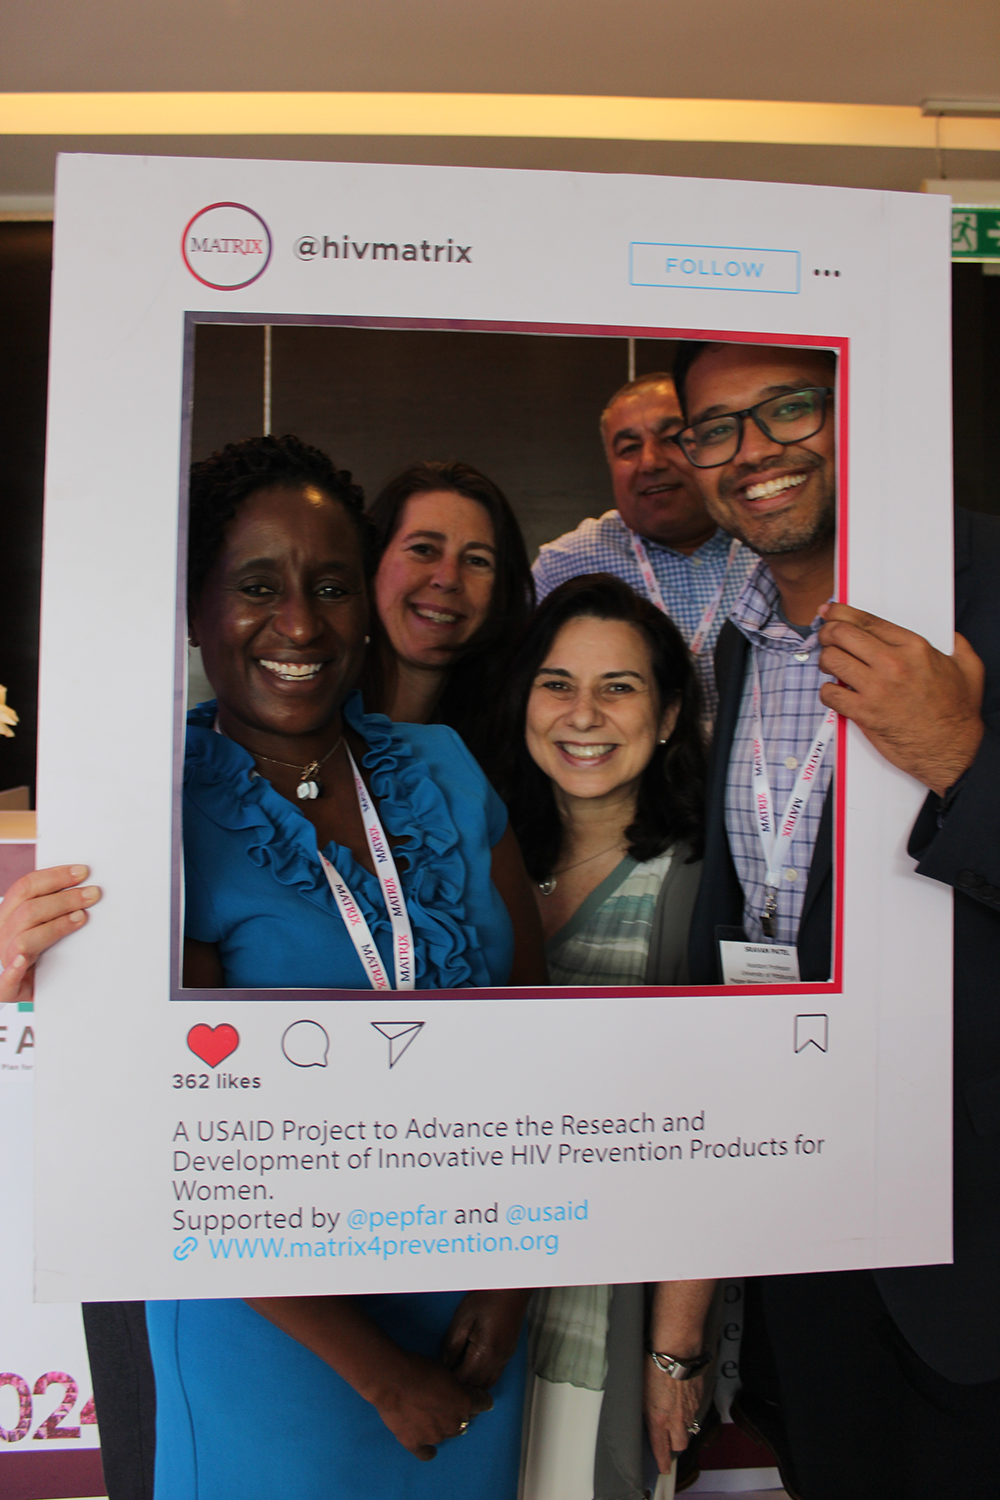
point(213, 1043)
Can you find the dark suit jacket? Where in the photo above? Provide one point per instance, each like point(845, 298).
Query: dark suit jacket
point(949, 1314)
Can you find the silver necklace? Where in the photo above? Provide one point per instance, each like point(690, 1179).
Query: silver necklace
point(548, 886)
point(309, 785)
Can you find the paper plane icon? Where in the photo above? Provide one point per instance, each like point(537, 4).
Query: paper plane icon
point(399, 1035)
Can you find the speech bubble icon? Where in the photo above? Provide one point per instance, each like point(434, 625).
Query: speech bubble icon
point(306, 1044)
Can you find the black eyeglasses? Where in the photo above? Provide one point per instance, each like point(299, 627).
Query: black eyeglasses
point(784, 419)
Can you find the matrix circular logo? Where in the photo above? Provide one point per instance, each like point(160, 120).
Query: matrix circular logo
point(226, 246)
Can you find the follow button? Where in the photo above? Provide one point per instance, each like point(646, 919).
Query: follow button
point(727, 268)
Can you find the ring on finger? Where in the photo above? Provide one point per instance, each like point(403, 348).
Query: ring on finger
point(464, 1427)
point(694, 1427)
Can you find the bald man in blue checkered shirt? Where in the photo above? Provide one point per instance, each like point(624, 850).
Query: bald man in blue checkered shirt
point(659, 539)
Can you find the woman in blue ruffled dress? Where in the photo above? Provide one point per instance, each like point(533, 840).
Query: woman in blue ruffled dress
point(292, 796)
point(285, 778)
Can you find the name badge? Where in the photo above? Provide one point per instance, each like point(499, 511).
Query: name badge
point(758, 963)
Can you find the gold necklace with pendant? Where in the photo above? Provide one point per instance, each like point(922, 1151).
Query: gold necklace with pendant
point(548, 886)
point(310, 787)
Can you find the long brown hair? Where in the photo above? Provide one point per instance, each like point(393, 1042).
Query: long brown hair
point(472, 680)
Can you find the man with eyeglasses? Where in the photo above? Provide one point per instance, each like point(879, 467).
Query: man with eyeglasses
point(879, 1385)
point(659, 539)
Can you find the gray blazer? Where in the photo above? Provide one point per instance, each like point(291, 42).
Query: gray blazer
point(667, 962)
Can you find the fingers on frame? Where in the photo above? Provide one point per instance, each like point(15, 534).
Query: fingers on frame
point(844, 699)
point(862, 645)
point(39, 910)
point(34, 941)
point(851, 670)
point(886, 631)
point(46, 882)
point(899, 665)
point(838, 610)
point(16, 983)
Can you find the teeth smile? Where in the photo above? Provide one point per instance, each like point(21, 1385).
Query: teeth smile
point(437, 615)
point(585, 752)
point(290, 671)
point(774, 486)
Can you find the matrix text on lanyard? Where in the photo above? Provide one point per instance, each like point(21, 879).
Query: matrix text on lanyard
point(776, 837)
point(392, 894)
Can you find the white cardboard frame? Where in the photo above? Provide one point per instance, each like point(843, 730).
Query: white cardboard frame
point(548, 252)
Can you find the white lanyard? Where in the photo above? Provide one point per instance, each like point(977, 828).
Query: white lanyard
point(697, 643)
point(392, 894)
point(776, 838)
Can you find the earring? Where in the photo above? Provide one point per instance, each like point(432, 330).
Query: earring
point(368, 640)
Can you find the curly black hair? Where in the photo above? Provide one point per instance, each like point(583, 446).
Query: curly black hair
point(221, 483)
point(671, 798)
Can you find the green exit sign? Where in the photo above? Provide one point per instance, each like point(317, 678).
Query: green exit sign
point(975, 233)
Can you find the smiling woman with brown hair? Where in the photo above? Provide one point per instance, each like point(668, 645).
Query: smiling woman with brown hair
point(452, 590)
point(601, 760)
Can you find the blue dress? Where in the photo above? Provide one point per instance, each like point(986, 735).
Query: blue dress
point(255, 887)
point(243, 1411)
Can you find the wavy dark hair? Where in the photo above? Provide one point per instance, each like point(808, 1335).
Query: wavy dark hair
point(473, 680)
point(671, 797)
point(220, 484)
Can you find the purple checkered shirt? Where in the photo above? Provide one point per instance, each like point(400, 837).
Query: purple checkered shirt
point(790, 680)
point(687, 583)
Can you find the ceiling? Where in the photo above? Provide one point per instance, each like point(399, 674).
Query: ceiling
point(896, 52)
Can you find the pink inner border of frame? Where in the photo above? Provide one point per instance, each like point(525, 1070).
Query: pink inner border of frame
point(841, 346)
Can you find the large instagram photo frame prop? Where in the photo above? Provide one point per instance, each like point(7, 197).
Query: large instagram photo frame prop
point(680, 1083)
